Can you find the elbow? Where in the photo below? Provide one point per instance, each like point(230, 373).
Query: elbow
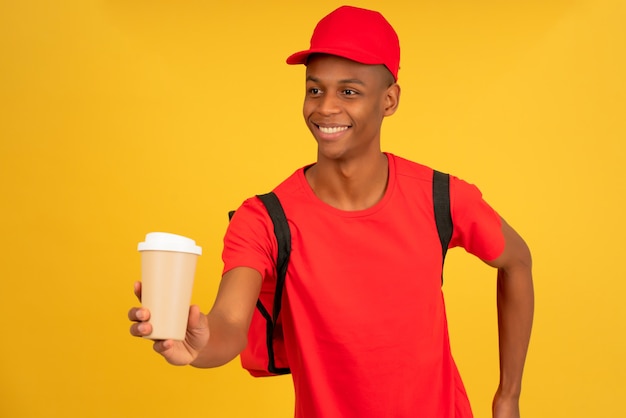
point(523, 259)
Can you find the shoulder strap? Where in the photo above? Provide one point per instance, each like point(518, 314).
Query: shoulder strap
point(441, 202)
point(283, 238)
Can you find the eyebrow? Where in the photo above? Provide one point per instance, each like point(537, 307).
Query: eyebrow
point(345, 81)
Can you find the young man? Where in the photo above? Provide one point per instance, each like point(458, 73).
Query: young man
point(363, 318)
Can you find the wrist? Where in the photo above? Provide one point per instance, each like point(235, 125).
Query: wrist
point(505, 406)
point(509, 392)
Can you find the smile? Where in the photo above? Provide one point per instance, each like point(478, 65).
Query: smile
point(332, 129)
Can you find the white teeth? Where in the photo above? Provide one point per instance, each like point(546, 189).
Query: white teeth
point(333, 129)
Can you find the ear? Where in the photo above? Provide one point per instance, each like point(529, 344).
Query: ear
point(392, 99)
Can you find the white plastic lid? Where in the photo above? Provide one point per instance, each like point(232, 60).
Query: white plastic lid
point(163, 241)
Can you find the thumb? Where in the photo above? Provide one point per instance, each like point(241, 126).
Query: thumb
point(196, 320)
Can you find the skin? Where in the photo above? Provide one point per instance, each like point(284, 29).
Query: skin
point(344, 107)
point(515, 299)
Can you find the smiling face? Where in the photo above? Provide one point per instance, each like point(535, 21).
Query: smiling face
point(345, 104)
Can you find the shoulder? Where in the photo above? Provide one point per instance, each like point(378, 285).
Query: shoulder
point(252, 218)
point(253, 208)
point(292, 184)
point(477, 226)
point(249, 240)
point(467, 201)
point(408, 169)
point(249, 220)
point(463, 191)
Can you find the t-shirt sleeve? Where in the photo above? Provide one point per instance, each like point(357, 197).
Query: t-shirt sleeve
point(477, 226)
point(249, 240)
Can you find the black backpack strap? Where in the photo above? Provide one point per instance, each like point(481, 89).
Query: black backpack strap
point(443, 217)
point(283, 238)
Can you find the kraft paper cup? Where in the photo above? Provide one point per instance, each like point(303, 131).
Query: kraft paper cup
point(168, 265)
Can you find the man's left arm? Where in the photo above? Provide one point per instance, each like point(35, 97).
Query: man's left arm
point(515, 299)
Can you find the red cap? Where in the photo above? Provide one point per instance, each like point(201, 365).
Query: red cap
point(357, 34)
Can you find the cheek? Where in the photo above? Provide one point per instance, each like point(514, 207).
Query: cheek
point(306, 114)
point(306, 108)
point(370, 114)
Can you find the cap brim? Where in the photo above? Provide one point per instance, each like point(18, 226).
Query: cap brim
point(302, 56)
point(298, 57)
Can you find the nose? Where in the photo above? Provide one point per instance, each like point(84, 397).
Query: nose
point(328, 105)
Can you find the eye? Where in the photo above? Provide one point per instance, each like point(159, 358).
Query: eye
point(314, 91)
point(349, 92)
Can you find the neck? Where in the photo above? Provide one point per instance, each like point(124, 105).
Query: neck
point(350, 185)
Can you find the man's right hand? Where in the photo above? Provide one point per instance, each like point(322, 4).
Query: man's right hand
point(178, 353)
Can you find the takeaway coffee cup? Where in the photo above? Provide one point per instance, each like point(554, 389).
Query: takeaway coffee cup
point(168, 265)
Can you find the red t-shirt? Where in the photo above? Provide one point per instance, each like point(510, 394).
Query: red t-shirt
point(364, 318)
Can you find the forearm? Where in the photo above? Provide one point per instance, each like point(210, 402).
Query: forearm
point(226, 341)
point(230, 317)
point(515, 318)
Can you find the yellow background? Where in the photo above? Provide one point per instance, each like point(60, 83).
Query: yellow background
point(121, 117)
